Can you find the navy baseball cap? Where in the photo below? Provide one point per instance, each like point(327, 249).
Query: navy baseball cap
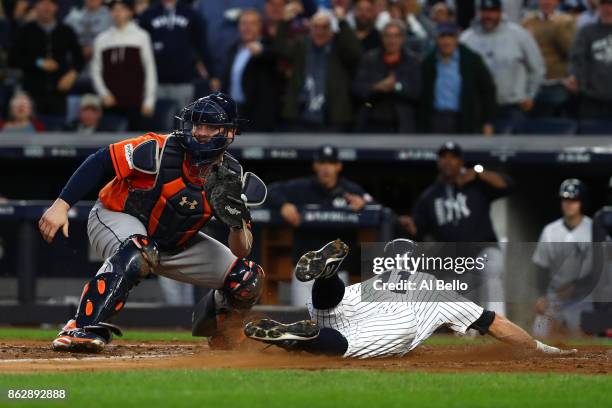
point(490, 4)
point(450, 147)
point(448, 29)
point(327, 153)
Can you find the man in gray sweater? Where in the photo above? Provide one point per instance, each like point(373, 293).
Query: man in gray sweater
point(591, 59)
point(514, 59)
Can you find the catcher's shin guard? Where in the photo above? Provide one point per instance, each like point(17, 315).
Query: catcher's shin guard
point(106, 293)
point(219, 315)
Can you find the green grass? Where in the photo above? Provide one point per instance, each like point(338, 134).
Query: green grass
point(7, 333)
point(287, 388)
point(312, 389)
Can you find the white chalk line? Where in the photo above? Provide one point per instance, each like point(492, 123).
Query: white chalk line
point(106, 358)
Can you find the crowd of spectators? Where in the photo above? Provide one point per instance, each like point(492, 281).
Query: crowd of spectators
point(373, 66)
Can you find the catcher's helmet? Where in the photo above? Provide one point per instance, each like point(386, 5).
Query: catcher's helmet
point(572, 189)
point(216, 109)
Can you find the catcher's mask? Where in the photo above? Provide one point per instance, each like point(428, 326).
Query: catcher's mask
point(216, 110)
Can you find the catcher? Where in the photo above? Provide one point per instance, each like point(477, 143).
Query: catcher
point(360, 322)
point(147, 219)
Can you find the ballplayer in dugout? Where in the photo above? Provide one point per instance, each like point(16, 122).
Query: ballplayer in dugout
point(162, 190)
point(360, 321)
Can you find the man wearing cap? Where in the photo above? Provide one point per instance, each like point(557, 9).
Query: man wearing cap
point(456, 208)
point(458, 90)
point(325, 188)
point(514, 59)
point(564, 260)
point(49, 55)
point(592, 61)
point(90, 113)
point(123, 68)
point(388, 84)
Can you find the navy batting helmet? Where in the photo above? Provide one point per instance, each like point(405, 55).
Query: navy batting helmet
point(572, 189)
point(216, 109)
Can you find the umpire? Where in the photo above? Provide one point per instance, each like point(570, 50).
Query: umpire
point(327, 189)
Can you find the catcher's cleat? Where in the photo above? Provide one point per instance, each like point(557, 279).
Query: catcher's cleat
point(287, 336)
point(86, 339)
point(226, 332)
point(323, 263)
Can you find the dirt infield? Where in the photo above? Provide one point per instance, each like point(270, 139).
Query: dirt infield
point(36, 356)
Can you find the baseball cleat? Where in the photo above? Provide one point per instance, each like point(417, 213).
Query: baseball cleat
point(91, 339)
point(323, 263)
point(279, 334)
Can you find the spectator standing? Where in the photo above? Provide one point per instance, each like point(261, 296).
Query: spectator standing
point(458, 90)
point(554, 32)
point(318, 94)
point(564, 260)
point(221, 27)
point(420, 29)
point(88, 22)
point(514, 60)
point(456, 209)
point(123, 67)
point(588, 16)
point(388, 84)
point(364, 14)
point(21, 115)
point(327, 189)
point(441, 13)
point(179, 43)
point(90, 115)
point(48, 53)
point(252, 75)
point(592, 64)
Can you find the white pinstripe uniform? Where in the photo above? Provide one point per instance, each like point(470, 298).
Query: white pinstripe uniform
point(375, 328)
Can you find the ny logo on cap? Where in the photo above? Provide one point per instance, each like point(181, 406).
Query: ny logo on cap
point(184, 202)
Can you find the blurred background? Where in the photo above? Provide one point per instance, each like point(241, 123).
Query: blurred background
point(350, 107)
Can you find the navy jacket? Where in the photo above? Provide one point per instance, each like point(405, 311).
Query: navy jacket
point(179, 40)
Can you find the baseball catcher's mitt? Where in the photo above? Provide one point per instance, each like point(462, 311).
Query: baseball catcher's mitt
point(223, 189)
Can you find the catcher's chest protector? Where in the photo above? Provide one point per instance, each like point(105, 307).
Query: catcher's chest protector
point(173, 210)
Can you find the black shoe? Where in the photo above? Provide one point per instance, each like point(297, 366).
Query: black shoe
point(287, 336)
point(323, 263)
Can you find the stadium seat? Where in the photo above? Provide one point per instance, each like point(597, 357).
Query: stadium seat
point(595, 127)
point(163, 119)
point(52, 122)
point(548, 126)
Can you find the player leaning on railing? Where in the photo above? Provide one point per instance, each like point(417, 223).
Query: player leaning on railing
point(164, 188)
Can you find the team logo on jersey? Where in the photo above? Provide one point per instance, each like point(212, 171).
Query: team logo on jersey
point(129, 155)
point(451, 209)
point(233, 211)
point(184, 202)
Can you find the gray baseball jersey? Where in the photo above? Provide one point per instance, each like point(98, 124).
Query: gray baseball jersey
point(565, 253)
